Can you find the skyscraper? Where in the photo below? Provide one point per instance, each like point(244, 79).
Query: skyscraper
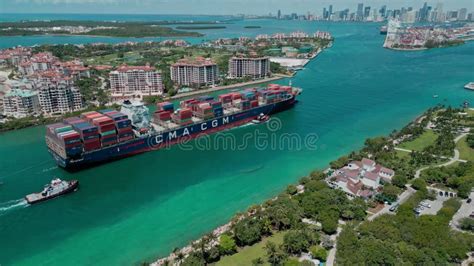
point(366, 11)
point(279, 14)
point(360, 11)
point(462, 15)
point(324, 13)
point(330, 10)
point(383, 11)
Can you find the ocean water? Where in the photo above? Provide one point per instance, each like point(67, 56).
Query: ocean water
point(140, 208)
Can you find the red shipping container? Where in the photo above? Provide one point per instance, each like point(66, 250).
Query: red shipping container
point(92, 146)
point(91, 141)
point(236, 96)
point(124, 131)
point(185, 113)
point(254, 103)
point(107, 128)
point(125, 138)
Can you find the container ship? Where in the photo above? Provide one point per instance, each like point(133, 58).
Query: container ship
point(98, 137)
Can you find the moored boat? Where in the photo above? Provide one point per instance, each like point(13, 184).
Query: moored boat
point(56, 188)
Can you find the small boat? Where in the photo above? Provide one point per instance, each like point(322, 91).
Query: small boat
point(435, 96)
point(261, 118)
point(469, 86)
point(56, 188)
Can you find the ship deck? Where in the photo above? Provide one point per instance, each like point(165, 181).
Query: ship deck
point(169, 125)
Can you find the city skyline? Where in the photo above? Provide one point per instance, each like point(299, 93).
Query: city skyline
point(201, 7)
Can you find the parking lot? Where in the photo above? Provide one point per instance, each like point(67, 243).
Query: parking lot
point(465, 210)
point(432, 206)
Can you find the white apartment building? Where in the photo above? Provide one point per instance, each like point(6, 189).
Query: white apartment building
point(240, 67)
point(20, 103)
point(195, 72)
point(59, 98)
point(129, 81)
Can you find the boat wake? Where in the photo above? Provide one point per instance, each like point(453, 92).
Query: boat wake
point(12, 205)
point(49, 169)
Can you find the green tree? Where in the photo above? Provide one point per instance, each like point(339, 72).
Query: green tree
point(194, 259)
point(399, 181)
point(319, 253)
point(227, 245)
point(467, 224)
point(418, 184)
point(258, 261)
point(275, 256)
point(291, 189)
point(470, 140)
point(297, 241)
point(329, 223)
point(390, 192)
point(248, 231)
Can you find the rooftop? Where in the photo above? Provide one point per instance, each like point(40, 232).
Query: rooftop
point(20, 93)
point(195, 61)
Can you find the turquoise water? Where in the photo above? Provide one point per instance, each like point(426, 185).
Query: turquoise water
point(142, 207)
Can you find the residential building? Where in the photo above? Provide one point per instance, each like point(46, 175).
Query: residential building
point(59, 98)
point(253, 67)
point(38, 62)
point(20, 103)
point(361, 178)
point(129, 81)
point(195, 72)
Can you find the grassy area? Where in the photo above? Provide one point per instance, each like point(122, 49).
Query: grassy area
point(465, 152)
point(245, 256)
point(403, 155)
point(426, 139)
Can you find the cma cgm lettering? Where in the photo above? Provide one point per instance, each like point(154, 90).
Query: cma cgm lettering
point(186, 132)
point(98, 137)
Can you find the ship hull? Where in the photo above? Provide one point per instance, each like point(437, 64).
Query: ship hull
point(168, 138)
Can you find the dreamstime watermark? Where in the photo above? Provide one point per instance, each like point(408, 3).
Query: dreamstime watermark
point(268, 138)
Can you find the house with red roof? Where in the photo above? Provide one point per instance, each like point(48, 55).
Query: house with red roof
point(361, 178)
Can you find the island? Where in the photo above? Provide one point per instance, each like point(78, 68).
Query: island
point(200, 27)
point(407, 37)
point(95, 28)
point(94, 73)
point(401, 199)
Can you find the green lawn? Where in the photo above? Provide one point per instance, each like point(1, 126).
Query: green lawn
point(423, 141)
point(465, 152)
point(403, 155)
point(245, 256)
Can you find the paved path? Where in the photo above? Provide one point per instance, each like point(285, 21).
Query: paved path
point(331, 259)
point(410, 191)
point(401, 199)
point(465, 210)
point(401, 149)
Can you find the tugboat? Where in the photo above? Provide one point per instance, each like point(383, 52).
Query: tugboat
point(261, 118)
point(469, 86)
point(56, 188)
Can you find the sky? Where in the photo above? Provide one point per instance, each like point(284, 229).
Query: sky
point(206, 7)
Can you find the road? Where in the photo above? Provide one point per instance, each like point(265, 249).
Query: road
point(331, 259)
point(401, 199)
point(465, 210)
point(410, 191)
